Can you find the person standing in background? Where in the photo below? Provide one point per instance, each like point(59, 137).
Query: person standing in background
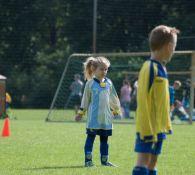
point(76, 92)
point(125, 98)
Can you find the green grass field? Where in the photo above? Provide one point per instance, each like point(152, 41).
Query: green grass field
point(39, 148)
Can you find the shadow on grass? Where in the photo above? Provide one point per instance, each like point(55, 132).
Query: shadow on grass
point(56, 167)
point(123, 122)
point(115, 122)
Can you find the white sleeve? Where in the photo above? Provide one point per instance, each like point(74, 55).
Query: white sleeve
point(114, 100)
point(86, 97)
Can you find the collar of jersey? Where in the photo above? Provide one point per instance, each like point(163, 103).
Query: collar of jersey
point(155, 61)
point(98, 81)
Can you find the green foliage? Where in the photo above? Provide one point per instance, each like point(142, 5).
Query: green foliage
point(37, 37)
point(3, 116)
point(40, 84)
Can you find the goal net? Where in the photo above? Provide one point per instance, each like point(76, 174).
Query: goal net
point(125, 66)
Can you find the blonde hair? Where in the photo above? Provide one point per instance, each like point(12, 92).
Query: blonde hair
point(161, 35)
point(92, 63)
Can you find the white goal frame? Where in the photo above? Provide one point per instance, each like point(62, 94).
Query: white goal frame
point(125, 54)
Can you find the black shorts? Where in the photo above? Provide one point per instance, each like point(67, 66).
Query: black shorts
point(100, 132)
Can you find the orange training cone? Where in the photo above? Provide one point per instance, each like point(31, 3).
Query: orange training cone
point(6, 131)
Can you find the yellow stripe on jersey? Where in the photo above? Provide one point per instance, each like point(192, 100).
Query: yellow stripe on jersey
point(8, 98)
point(153, 103)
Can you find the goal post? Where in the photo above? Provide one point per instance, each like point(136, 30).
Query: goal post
point(192, 85)
point(123, 64)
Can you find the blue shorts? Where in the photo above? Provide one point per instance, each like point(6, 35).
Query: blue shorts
point(100, 132)
point(148, 147)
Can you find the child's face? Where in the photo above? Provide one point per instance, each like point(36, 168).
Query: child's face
point(101, 71)
point(176, 86)
point(170, 48)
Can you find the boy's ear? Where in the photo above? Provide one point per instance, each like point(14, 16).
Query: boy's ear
point(170, 47)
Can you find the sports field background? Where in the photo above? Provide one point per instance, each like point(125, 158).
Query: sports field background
point(39, 148)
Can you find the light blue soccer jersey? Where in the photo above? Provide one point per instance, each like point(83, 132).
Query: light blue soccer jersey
point(98, 102)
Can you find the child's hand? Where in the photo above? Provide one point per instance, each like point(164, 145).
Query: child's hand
point(78, 118)
point(116, 112)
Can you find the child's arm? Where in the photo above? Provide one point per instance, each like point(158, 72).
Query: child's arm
point(121, 92)
point(114, 102)
point(84, 103)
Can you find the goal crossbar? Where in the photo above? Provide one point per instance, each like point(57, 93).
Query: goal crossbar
point(132, 54)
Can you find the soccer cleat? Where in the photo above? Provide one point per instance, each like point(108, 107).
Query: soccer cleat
point(108, 164)
point(88, 160)
point(105, 162)
point(89, 164)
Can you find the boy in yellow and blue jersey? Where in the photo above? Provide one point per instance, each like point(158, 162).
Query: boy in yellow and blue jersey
point(153, 100)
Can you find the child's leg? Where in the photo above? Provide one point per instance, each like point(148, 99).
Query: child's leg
point(89, 147)
point(152, 165)
point(143, 150)
point(143, 160)
point(104, 148)
point(154, 157)
point(104, 151)
point(127, 110)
